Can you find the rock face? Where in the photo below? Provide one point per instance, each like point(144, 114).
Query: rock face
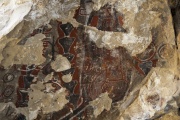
point(30, 53)
point(170, 116)
point(89, 59)
point(61, 64)
point(101, 103)
point(47, 102)
point(12, 12)
point(153, 95)
point(134, 31)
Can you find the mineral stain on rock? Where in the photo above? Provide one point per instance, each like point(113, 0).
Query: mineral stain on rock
point(96, 60)
point(86, 76)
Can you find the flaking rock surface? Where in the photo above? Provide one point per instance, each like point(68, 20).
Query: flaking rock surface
point(89, 59)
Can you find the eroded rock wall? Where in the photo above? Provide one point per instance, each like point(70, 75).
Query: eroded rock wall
point(80, 59)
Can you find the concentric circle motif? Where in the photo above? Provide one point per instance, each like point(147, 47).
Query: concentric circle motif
point(8, 91)
point(165, 51)
point(8, 77)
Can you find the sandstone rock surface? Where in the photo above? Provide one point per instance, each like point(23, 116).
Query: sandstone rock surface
point(90, 59)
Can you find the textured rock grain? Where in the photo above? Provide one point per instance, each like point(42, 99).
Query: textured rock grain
point(154, 94)
point(30, 53)
point(145, 23)
point(103, 102)
point(47, 102)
